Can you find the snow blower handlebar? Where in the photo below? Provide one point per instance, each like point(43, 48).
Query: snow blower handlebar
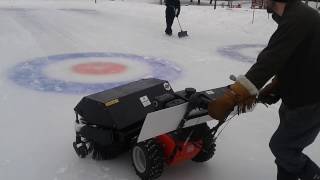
point(200, 101)
point(196, 100)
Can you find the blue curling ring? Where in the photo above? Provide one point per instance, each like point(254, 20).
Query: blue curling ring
point(233, 52)
point(30, 74)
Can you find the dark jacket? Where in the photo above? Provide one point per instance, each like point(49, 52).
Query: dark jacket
point(292, 55)
point(173, 3)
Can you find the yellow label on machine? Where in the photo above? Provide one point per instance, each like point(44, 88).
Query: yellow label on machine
point(112, 102)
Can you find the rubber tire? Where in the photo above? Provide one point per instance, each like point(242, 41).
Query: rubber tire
point(209, 145)
point(154, 159)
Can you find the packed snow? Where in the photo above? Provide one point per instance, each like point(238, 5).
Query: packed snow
point(37, 123)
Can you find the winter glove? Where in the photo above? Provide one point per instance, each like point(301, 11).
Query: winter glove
point(242, 94)
point(199, 100)
point(269, 95)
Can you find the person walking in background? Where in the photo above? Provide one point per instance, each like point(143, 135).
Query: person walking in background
point(291, 59)
point(172, 11)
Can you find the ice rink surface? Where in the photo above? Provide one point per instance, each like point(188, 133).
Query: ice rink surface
point(55, 52)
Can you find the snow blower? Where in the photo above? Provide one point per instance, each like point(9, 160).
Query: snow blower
point(181, 33)
point(146, 117)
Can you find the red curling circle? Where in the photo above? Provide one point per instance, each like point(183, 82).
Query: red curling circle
point(99, 68)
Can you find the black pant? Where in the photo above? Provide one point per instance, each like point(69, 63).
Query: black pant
point(298, 128)
point(170, 14)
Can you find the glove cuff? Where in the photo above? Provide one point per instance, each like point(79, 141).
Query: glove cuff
point(246, 83)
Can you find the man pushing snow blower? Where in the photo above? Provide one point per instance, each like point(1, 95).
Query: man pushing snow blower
point(291, 59)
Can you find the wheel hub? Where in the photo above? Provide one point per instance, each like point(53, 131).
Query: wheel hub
point(139, 159)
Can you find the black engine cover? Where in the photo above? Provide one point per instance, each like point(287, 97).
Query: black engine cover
point(122, 106)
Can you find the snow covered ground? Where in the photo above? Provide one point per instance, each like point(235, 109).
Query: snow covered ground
point(39, 91)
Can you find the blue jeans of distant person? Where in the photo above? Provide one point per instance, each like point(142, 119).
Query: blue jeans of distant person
point(298, 129)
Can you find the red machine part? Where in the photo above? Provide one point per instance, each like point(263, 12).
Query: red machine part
point(176, 151)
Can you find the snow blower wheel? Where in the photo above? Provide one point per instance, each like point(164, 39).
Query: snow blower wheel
point(208, 145)
point(147, 159)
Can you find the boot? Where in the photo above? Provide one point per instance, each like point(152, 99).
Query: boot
point(168, 32)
